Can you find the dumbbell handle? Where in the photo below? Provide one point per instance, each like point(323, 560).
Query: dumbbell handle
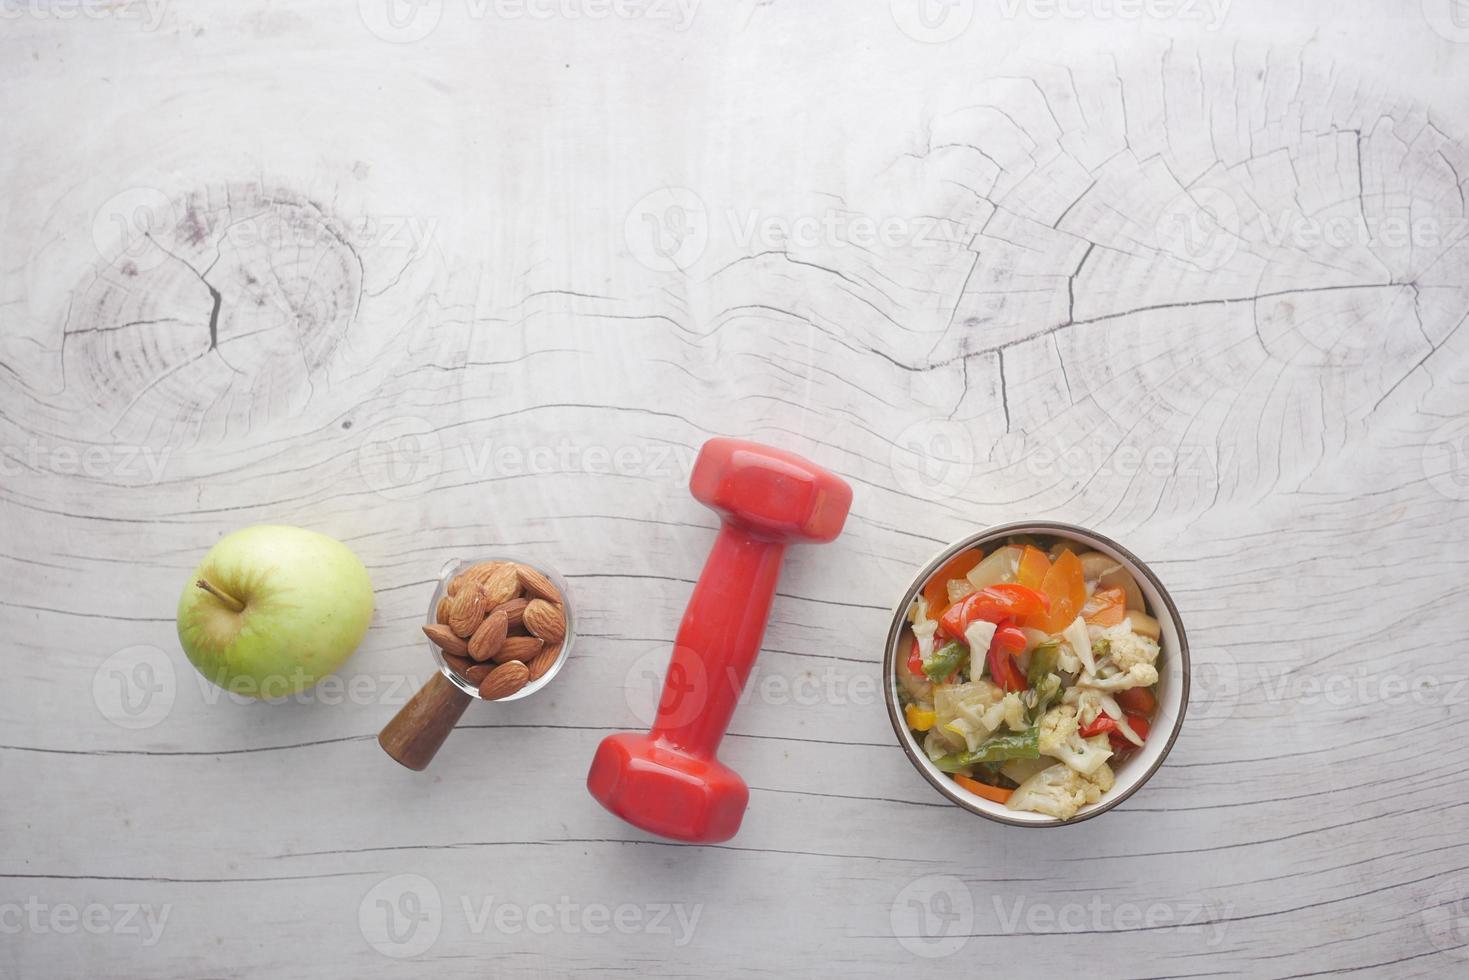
point(718, 640)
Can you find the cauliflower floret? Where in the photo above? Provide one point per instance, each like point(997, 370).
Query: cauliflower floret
point(1066, 660)
point(1057, 725)
point(1138, 675)
point(1085, 755)
point(1126, 649)
point(1060, 791)
point(1060, 739)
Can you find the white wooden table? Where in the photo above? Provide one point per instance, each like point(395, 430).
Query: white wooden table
point(482, 277)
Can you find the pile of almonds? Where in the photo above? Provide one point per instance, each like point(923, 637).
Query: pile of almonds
point(500, 625)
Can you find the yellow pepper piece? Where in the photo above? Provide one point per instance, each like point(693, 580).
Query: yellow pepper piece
point(918, 719)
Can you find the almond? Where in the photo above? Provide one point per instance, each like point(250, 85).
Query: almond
point(487, 639)
point(467, 611)
point(500, 585)
point(476, 675)
point(482, 571)
point(545, 620)
point(513, 610)
point(518, 648)
point(455, 584)
point(536, 585)
point(460, 665)
point(504, 681)
point(542, 661)
point(441, 614)
point(445, 639)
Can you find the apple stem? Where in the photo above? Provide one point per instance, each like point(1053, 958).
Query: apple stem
point(235, 604)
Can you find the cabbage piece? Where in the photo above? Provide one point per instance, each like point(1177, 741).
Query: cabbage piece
point(1080, 642)
point(1022, 769)
point(969, 702)
point(1001, 566)
point(1114, 711)
point(958, 588)
point(923, 626)
point(937, 743)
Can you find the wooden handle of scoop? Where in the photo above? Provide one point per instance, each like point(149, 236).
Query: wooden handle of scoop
point(416, 732)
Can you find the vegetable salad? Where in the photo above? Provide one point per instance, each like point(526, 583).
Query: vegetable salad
point(1031, 671)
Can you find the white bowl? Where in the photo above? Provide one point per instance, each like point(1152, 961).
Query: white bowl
point(1172, 689)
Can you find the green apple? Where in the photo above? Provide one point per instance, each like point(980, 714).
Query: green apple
point(271, 610)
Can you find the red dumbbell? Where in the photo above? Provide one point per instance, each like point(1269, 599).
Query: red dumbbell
point(668, 781)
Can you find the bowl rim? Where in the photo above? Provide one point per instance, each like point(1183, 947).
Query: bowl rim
point(946, 787)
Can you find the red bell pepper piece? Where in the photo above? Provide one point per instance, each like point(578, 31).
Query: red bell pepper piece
point(992, 604)
point(1007, 642)
point(915, 660)
point(1101, 723)
point(1139, 726)
point(1137, 701)
point(936, 592)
